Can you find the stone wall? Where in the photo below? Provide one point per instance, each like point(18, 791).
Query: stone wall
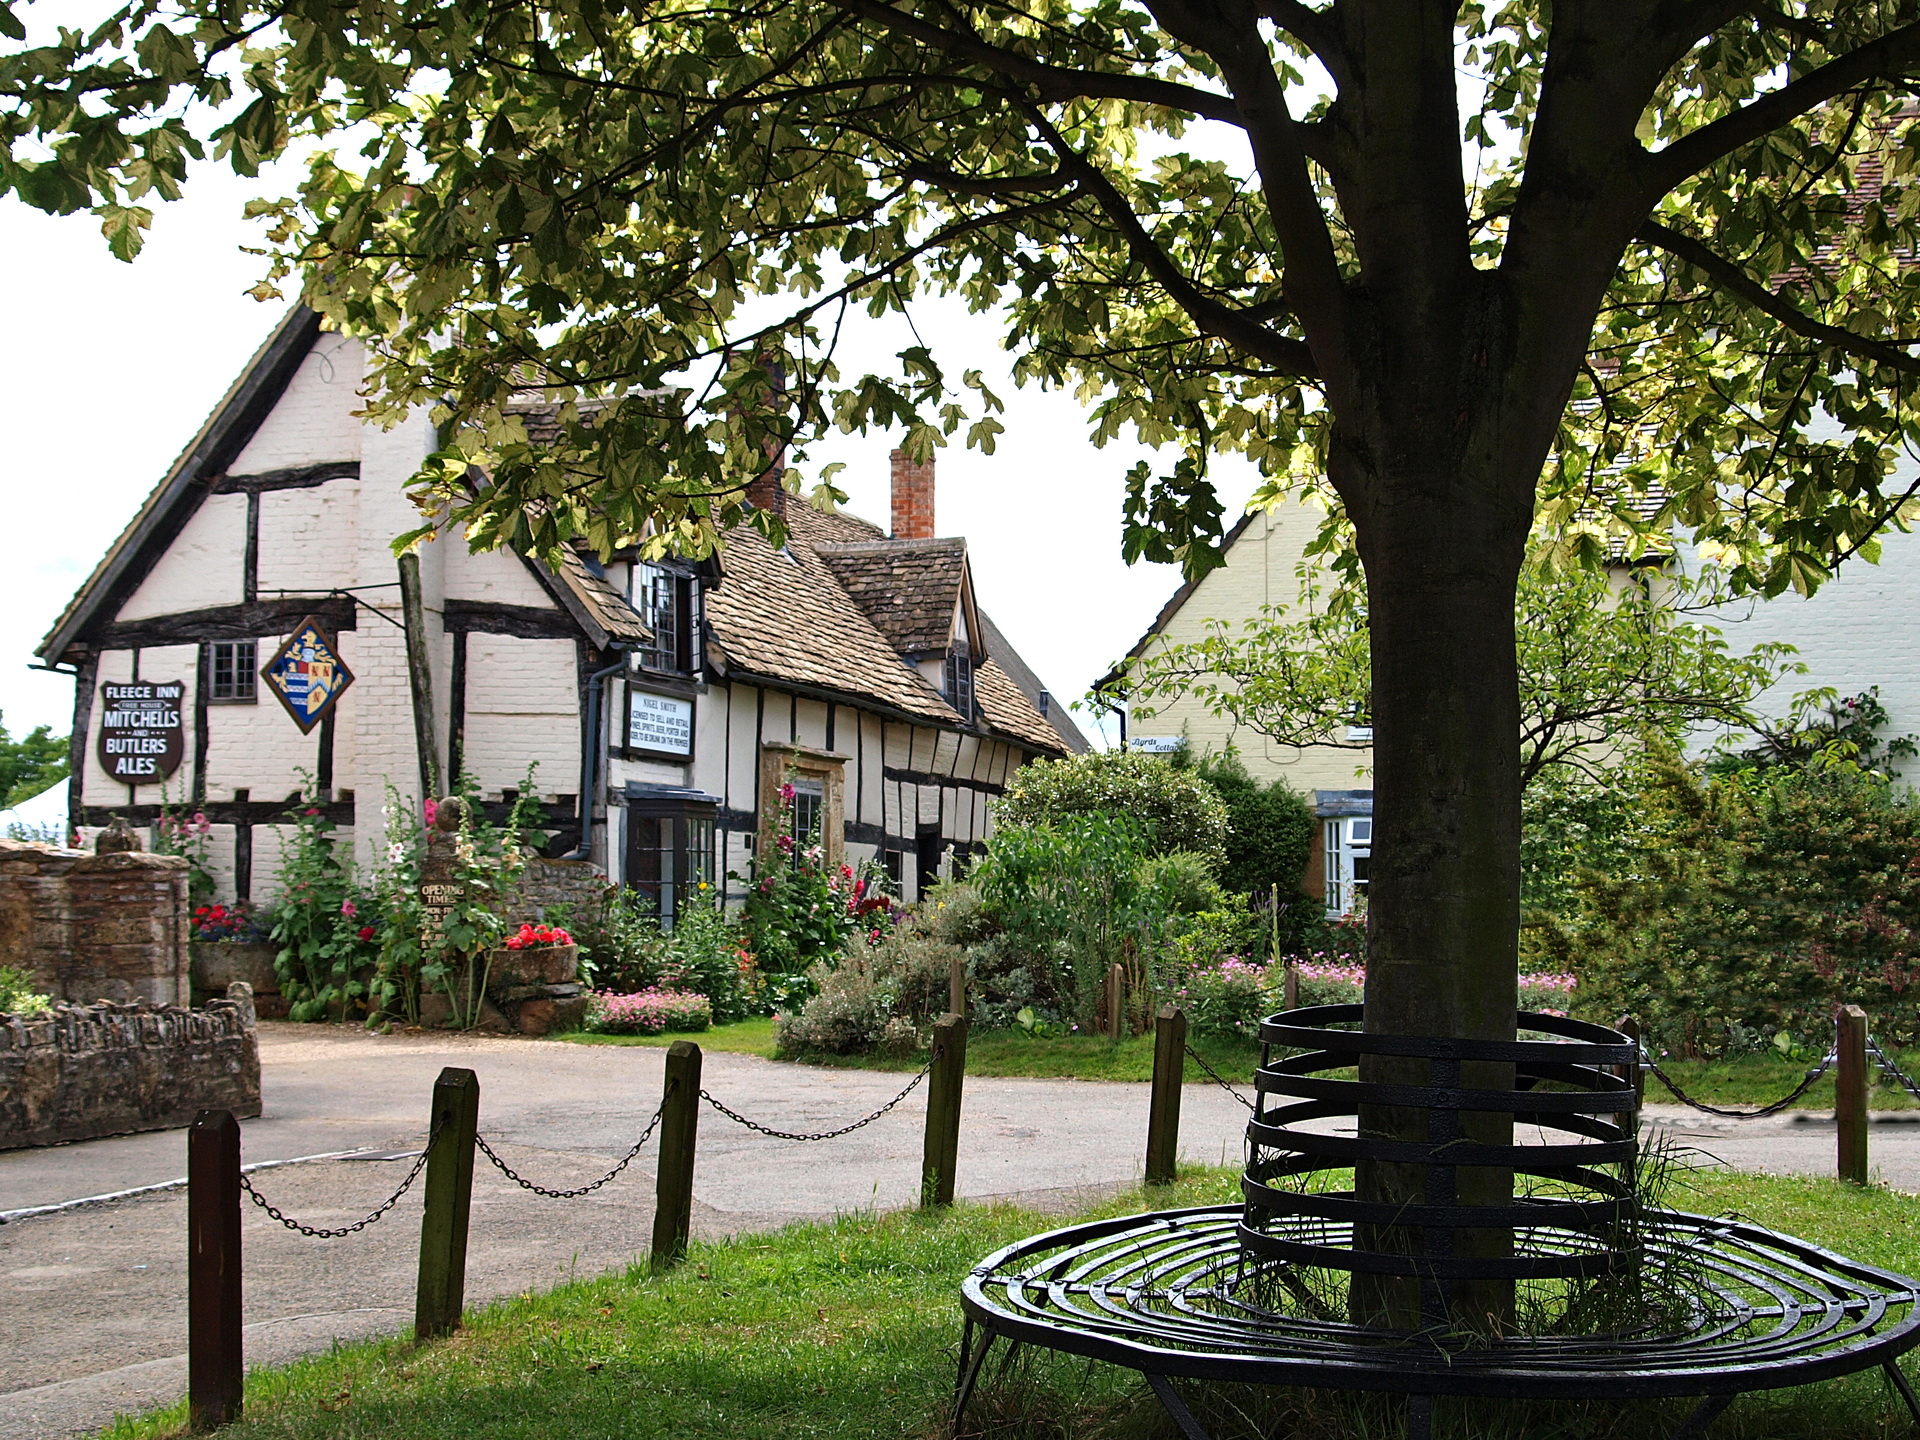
point(96, 927)
point(577, 886)
point(107, 1069)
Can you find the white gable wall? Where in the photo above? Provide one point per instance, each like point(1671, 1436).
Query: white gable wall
point(202, 568)
point(314, 419)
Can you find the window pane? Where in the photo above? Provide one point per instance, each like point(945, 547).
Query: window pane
point(232, 667)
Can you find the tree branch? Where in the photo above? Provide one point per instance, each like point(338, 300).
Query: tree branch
point(1693, 153)
point(1316, 30)
point(1735, 281)
point(1051, 82)
point(1292, 356)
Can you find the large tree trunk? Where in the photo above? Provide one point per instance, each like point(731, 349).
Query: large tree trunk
point(1442, 547)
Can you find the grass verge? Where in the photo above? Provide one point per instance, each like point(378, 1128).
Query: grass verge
point(746, 1037)
point(849, 1330)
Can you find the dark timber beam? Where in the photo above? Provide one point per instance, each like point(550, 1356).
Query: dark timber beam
point(300, 477)
point(226, 622)
point(487, 617)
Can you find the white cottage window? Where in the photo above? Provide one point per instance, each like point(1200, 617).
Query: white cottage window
point(230, 671)
point(1349, 856)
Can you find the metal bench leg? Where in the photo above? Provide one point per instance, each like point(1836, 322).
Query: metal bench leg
point(1171, 1402)
point(1892, 1367)
point(970, 1362)
point(1419, 1417)
point(1704, 1414)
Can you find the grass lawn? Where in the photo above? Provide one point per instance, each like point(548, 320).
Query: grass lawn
point(850, 1329)
point(1752, 1080)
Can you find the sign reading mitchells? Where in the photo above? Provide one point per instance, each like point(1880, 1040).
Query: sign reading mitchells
point(141, 736)
point(307, 674)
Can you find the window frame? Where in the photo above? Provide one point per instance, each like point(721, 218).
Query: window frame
point(654, 588)
point(690, 856)
point(961, 690)
point(250, 670)
point(1342, 845)
point(777, 762)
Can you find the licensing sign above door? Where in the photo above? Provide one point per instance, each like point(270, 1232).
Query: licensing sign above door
point(142, 739)
point(307, 674)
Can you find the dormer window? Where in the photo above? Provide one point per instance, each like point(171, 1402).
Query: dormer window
point(960, 680)
point(668, 601)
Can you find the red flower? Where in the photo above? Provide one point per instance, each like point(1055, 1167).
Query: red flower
point(366, 932)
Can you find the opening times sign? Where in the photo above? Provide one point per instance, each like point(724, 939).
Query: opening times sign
point(142, 737)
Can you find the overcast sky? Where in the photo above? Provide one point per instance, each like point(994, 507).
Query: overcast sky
point(112, 367)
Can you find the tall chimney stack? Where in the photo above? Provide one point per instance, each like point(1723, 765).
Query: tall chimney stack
point(912, 498)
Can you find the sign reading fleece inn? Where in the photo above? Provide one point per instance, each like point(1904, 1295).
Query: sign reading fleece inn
point(141, 738)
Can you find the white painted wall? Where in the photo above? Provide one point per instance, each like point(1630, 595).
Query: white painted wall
point(205, 566)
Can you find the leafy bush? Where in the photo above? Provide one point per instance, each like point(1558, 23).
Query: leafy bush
point(1070, 900)
point(322, 962)
point(1178, 810)
point(705, 954)
point(1752, 903)
point(878, 997)
point(648, 1012)
point(1269, 829)
point(801, 910)
point(1226, 998)
point(18, 997)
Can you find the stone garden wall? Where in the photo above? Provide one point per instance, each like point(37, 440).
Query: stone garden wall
point(108, 1069)
point(96, 927)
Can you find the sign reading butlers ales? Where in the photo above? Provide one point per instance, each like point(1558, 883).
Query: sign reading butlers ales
point(142, 738)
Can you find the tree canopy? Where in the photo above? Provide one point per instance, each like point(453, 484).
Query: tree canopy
point(1219, 222)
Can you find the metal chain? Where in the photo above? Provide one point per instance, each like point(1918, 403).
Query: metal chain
point(739, 1119)
point(1214, 1075)
point(1806, 1084)
point(480, 1142)
point(313, 1232)
point(1887, 1065)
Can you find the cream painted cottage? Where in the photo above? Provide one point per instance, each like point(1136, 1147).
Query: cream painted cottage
point(661, 704)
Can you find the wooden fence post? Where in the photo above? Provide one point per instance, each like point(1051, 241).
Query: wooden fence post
point(215, 1367)
point(1290, 988)
point(1163, 1113)
point(940, 1157)
point(957, 986)
point(679, 1131)
point(1851, 1084)
point(1116, 1002)
point(441, 1292)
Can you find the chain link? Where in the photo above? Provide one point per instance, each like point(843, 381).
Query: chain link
point(1215, 1076)
point(314, 1232)
point(1647, 1062)
point(1891, 1069)
point(739, 1119)
point(480, 1142)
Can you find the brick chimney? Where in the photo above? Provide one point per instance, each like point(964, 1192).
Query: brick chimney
point(912, 498)
point(765, 492)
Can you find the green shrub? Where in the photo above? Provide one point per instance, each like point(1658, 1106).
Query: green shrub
point(1750, 904)
point(1178, 810)
point(1225, 999)
point(1269, 828)
point(18, 997)
point(877, 998)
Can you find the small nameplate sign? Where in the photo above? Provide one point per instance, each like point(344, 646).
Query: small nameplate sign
point(659, 722)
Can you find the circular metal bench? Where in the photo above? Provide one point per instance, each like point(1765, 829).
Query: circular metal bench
point(1674, 1305)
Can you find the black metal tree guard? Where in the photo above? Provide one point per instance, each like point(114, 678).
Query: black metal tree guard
point(1676, 1305)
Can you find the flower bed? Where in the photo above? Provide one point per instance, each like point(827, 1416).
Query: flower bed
point(648, 1012)
point(1230, 996)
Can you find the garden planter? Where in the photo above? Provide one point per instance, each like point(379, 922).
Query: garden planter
point(534, 965)
point(216, 964)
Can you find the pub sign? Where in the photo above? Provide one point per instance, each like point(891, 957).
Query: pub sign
point(307, 674)
point(142, 739)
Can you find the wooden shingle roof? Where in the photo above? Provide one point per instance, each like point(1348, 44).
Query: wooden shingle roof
point(909, 589)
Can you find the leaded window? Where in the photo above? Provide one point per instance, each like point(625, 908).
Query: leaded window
point(232, 664)
point(670, 851)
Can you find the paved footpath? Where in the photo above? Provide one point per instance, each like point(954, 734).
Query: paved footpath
point(95, 1297)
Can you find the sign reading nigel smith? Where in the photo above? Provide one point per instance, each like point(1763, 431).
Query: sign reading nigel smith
point(141, 737)
point(307, 674)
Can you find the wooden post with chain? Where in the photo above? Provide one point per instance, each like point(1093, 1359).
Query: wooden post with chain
point(1163, 1111)
point(679, 1132)
point(1852, 1081)
point(940, 1156)
point(215, 1365)
point(1116, 1003)
point(957, 986)
point(441, 1292)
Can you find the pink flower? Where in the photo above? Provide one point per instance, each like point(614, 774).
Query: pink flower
point(786, 793)
point(349, 909)
point(432, 810)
